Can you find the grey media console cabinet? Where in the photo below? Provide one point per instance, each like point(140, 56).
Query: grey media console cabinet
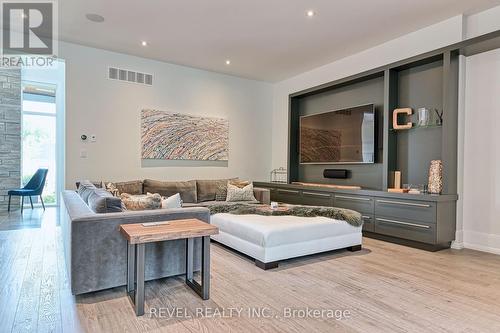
point(423, 221)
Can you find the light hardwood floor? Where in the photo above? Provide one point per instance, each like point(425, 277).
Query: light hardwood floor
point(385, 288)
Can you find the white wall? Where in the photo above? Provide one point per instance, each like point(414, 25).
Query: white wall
point(482, 23)
point(421, 41)
point(481, 186)
point(111, 110)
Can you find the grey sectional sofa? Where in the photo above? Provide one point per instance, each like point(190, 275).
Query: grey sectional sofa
point(96, 252)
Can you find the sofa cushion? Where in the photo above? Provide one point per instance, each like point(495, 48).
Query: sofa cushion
point(101, 201)
point(213, 203)
point(206, 190)
point(85, 189)
point(141, 202)
point(187, 190)
point(133, 187)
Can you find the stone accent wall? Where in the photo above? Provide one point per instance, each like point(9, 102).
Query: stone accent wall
point(10, 135)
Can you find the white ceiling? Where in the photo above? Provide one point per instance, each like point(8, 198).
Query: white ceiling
point(268, 40)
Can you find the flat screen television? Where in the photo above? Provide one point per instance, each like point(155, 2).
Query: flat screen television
point(345, 136)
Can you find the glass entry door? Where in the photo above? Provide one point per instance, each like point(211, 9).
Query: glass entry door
point(39, 136)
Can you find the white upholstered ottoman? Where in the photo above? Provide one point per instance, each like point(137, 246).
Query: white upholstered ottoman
point(269, 239)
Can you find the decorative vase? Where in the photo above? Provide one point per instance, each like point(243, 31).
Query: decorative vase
point(436, 177)
point(423, 117)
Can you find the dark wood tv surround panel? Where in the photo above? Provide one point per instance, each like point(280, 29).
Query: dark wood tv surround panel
point(429, 80)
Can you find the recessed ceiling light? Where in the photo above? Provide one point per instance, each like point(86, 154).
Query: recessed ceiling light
point(144, 43)
point(310, 13)
point(94, 18)
point(228, 62)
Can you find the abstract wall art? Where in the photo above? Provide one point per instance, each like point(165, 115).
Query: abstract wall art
point(175, 136)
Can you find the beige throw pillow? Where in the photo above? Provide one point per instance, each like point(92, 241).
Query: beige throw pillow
point(239, 183)
point(234, 193)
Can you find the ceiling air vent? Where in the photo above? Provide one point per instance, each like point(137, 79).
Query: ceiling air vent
point(129, 76)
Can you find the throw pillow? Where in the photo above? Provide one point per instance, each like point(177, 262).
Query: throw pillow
point(221, 192)
point(141, 202)
point(101, 201)
point(173, 201)
point(111, 188)
point(239, 183)
point(85, 189)
point(234, 193)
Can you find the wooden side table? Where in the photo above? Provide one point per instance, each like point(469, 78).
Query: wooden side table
point(138, 235)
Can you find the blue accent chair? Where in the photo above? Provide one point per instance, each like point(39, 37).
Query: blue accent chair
point(33, 188)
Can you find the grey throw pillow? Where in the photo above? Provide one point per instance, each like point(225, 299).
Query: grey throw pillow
point(85, 189)
point(234, 193)
point(101, 201)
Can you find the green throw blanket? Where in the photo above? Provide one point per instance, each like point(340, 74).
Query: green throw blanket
point(347, 215)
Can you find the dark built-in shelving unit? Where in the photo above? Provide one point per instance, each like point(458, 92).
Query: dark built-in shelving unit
point(430, 82)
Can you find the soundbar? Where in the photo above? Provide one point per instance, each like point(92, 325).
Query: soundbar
point(336, 173)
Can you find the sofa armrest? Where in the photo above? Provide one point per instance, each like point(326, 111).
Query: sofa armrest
point(263, 195)
point(156, 215)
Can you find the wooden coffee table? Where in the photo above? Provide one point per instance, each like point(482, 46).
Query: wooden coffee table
point(138, 235)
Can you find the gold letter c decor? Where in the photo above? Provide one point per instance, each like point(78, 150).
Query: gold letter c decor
point(395, 114)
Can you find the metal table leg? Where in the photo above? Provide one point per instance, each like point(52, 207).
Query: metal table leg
point(202, 289)
point(130, 268)
point(135, 276)
point(139, 291)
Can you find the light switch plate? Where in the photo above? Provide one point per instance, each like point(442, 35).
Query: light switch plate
point(83, 153)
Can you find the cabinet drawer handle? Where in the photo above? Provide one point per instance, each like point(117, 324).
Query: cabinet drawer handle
point(288, 191)
point(404, 203)
point(405, 223)
point(352, 198)
point(366, 217)
point(317, 194)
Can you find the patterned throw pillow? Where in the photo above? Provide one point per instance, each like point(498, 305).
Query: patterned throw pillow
point(141, 202)
point(221, 189)
point(234, 193)
point(221, 192)
point(111, 188)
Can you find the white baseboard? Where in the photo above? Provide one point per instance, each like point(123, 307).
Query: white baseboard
point(481, 241)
